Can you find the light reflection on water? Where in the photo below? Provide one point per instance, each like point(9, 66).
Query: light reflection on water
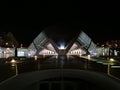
point(54, 62)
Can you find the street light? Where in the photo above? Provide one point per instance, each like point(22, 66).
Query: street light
point(43, 55)
point(35, 57)
point(87, 61)
point(14, 63)
point(109, 65)
point(88, 57)
point(80, 54)
point(38, 63)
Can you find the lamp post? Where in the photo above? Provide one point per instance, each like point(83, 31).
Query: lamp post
point(43, 55)
point(14, 63)
point(88, 57)
point(109, 65)
point(38, 63)
point(87, 61)
point(35, 57)
point(80, 54)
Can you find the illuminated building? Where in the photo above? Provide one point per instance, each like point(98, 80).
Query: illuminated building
point(42, 45)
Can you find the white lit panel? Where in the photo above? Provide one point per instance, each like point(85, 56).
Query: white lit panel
point(84, 40)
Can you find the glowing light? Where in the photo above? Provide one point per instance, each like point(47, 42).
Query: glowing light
point(6, 43)
point(80, 54)
point(88, 56)
point(111, 59)
point(62, 46)
point(35, 57)
point(56, 56)
point(13, 61)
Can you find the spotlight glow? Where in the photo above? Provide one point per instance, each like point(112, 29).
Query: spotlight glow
point(62, 46)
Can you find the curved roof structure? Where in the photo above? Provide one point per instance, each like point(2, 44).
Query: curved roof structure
point(84, 42)
point(42, 44)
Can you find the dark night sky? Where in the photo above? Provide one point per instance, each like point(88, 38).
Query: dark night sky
point(26, 23)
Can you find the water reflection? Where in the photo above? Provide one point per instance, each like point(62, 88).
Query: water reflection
point(53, 62)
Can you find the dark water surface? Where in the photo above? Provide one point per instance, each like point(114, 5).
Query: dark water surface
point(52, 62)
